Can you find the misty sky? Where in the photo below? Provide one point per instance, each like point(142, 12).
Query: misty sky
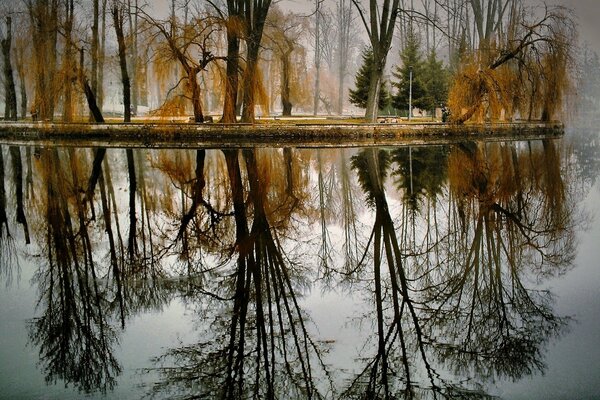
point(588, 15)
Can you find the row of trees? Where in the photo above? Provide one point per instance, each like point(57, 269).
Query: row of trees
point(234, 56)
point(506, 59)
point(228, 57)
point(419, 82)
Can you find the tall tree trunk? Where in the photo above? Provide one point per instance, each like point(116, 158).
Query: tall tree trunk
point(95, 113)
point(68, 63)
point(10, 94)
point(95, 44)
point(23, 90)
point(317, 58)
point(256, 16)
point(196, 94)
point(232, 75)
point(285, 84)
point(42, 15)
point(100, 92)
point(344, 15)
point(133, 28)
point(380, 27)
point(250, 83)
point(117, 14)
point(374, 88)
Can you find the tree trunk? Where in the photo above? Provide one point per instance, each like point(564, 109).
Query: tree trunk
point(17, 164)
point(10, 95)
point(232, 77)
point(317, 60)
point(256, 16)
point(380, 26)
point(94, 49)
point(3, 216)
point(197, 189)
point(133, 28)
point(344, 14)
point(250, 82)
point(285, 84)
point(196, 98)
point(132, 241)
point(374, 87)
point(100, 91)
point(68, 63)
point(43, 18)
point(118, 22)
point(23, 90)
point(95, 112)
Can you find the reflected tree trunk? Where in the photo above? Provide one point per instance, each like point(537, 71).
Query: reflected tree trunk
point(3, 216)
point(197, 189)
point(96, 173)
point(116, 266)
point(17, 166)
point(132, 241)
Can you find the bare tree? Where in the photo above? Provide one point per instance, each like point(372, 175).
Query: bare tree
point(345, 19)
point(318, 17)
point(118, 14)
point(379, 23)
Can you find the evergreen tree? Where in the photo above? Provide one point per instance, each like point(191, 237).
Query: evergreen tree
point(435, 78)
point(411, 59)
point(359, 95)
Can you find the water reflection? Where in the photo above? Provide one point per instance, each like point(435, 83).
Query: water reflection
point(449, 247)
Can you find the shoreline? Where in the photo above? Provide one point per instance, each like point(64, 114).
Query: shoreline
point(245, 135)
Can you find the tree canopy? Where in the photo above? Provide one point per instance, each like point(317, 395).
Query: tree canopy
point(360, 94)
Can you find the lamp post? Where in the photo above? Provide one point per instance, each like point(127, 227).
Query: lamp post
point(410, 72)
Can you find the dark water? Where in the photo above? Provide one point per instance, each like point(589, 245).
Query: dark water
point(468, 270)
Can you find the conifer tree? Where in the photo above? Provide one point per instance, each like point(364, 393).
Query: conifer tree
point(411, 59)
point(359, 95)
point(435, 78)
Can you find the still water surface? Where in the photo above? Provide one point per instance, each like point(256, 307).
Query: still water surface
point(468, 270)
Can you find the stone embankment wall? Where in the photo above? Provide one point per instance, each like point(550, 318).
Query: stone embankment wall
point(244, 135)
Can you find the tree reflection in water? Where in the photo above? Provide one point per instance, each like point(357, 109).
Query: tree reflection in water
point(258, 343)
point(72, 333)
point(516, 225)
point(8, 249)
point(462, 300)
point(450, 256)
point(81, 296)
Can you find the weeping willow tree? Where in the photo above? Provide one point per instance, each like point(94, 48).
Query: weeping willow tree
point(191, 45)
point(525, 73)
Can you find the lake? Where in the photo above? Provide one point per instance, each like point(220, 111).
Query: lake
point(466, 270)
